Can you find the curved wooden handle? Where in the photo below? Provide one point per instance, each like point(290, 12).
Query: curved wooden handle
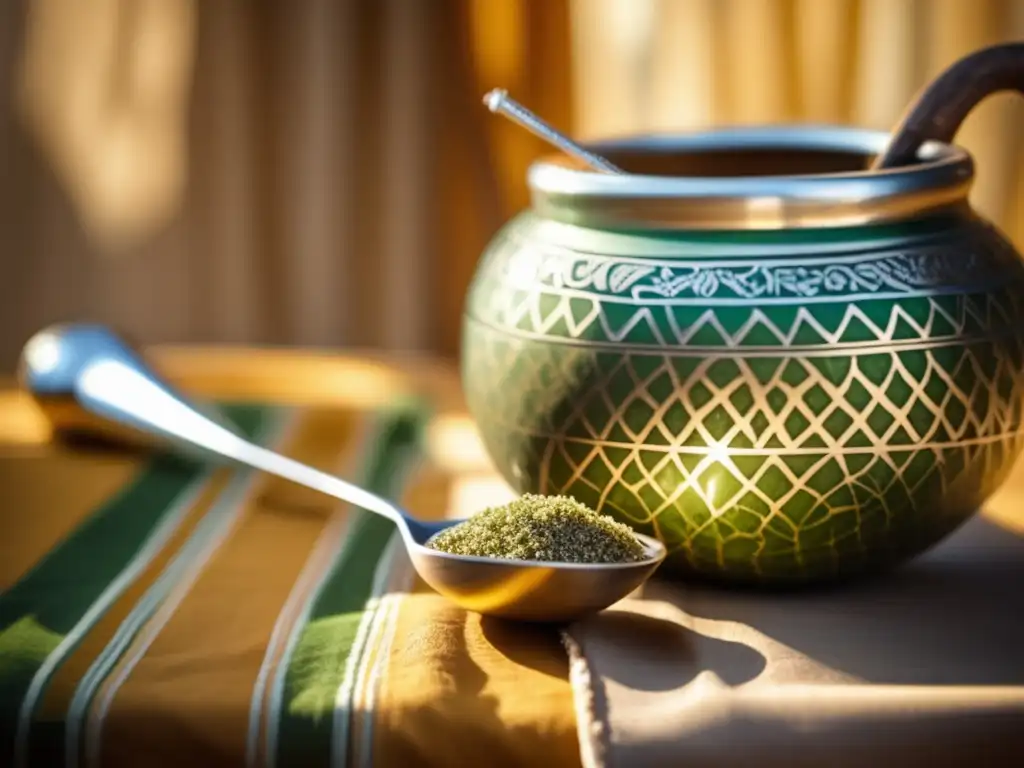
point(941, 107)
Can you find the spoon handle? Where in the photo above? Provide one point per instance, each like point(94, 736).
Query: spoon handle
point(941, 107)
point(96, 371)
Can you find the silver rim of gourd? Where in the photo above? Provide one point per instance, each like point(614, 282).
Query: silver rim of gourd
point(774, 177)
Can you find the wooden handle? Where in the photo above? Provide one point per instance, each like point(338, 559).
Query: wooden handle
point(939, 110)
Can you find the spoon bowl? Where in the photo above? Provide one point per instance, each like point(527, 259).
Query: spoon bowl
point(86, 375)
point(531, 590)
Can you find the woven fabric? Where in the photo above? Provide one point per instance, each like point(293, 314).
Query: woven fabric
point(158, 612)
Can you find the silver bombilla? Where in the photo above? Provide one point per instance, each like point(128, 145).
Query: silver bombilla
point(500, 102)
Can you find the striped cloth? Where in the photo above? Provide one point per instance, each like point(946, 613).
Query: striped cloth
point(160, 612)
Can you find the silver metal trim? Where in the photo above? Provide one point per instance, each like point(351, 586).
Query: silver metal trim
point(563, 192)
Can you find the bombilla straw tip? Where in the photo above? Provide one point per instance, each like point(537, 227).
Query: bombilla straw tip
point(499, 101)
point(494, 98)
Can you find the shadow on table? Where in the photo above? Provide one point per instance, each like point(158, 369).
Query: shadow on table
point(531, 645)
point(665, 656)
point(954, 616)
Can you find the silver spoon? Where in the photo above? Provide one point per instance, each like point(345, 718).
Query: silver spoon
point(500, 102)
point(88, 367)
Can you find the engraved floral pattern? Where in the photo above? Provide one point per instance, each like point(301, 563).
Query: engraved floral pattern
point(894, 272)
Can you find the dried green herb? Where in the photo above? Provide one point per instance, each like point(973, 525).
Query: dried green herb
point(551, 528)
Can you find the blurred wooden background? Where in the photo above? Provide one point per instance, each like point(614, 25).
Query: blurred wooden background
point(321, 172)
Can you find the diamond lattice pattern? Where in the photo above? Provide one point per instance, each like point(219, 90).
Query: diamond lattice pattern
point(770, 465)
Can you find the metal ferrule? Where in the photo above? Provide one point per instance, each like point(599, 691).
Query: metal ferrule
point(824, 197)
